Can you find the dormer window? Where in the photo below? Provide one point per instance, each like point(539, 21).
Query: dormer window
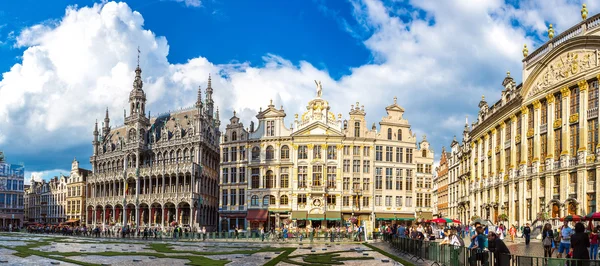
point(233, 136)
point(270, 128)
point(389, 133)
point(357, 129)
point(399, 134)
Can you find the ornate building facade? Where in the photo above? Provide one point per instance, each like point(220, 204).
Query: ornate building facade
point(535, 152)
point(12, 177)
point(323, 170)
point(76, 191)
point(153, 171)
point(440, 191)
point(47, 200)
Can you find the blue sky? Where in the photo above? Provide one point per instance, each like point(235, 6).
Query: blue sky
point(64, 62)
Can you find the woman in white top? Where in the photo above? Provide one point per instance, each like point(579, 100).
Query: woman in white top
point(500, 232)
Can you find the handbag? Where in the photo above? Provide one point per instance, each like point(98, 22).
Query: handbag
point(547, 241)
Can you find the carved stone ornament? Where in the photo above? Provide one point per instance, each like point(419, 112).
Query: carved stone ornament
point(557, 123)
point(574, 118)
point(502, 124)
point(550, 98)
point(518, 138)
point(536, 104)
point(524, 110)
point(583, 85)
point(565, 91)
point(530, 133)
point(563, 67)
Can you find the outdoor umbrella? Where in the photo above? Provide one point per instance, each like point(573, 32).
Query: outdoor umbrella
point(445, 220)
point(573, 218)
point(593, 216)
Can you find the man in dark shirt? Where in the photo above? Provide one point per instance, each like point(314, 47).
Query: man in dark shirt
point(527, 233)
point(499, 249)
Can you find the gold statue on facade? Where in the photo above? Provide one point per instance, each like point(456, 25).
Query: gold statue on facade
point(584, 12)
point(550, 32)
point(525, 50)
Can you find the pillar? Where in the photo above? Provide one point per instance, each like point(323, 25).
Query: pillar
point(137, 215)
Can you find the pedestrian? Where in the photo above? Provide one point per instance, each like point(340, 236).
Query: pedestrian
point(262, 234)
point(527, 233)
point(512, 231)
point(500, 232)
point(478, 246)
point(203, 233)
point(580, 243)
point(594, 244)
point(236, 232)
point(565, 239)
point(548, 240)
point(499, 249)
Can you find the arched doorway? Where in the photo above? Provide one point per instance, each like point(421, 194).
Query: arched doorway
point(169, 213)
point(156, 213)
point(130, 214)
point(118, 214)
point(98, 215)
point(90, 215)
point(108, 215)
point(144, 214)
point(571, 207)
point(555, 210)
point(183, 210)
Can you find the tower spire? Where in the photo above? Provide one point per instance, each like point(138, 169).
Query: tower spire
point(106, 128)
point(209, 99)
point(199, 99)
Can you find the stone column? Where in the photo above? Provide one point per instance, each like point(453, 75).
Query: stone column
point(137, 215)
point(550, 129)
point(565, 122)
point(176, 184)
point(162, 215)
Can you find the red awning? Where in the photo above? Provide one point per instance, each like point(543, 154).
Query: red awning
point(257, 215)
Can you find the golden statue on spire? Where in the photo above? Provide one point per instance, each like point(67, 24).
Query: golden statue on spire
point(550, 32)
point(584, 12)
point(525, 50)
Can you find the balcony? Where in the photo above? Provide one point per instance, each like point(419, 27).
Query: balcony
point(318, 189)
point(592, 113)
point(573, 161)
point(591, 186)
point(557, 165)
point(543, 128)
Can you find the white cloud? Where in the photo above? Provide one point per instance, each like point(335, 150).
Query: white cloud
point(438, 66)
point(190, 3)
point(43, 175)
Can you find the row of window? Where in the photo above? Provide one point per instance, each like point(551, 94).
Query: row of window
point(13, 185)
point(10, 200)
point(399, 155)
point(398, 202)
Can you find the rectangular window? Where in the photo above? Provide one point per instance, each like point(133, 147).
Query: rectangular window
point(419, 168)
point(427, 200)
point(270, 128)
point(331, 177)
point(543, 146)
point(389, 178)
point(366, 184)
point(346, 201)
point(225, 176)
point(388, 201)
point(398, 201)
point(301, 199)
point(409, 155)
point(284, 178)
point(366, 201)
point(557, 106)
point(225, 155)
point(378, 153)
point(592, 135)
point(378, 200)
point(242, 174)
point(331, 152)
point(317, 152)
point(233, 175)
point(593, 95)
point(356, 166)
point(557, 143)
point(233, 154)
point(356, 151)
point(530, 117)
point(366, 166)
point(233, 197)
point(225, 197)
point(408, 183)
point(389, 153)
point(346, 185)
point(398, 154)
point(574, 142)
point(255, 177)
point(346, 166)
point(302, 175)
point(242, 197)
point(544, 113)
point(367, 151)
point(574, 101)
point(378, 177)
point(317, 175)
point(408, 201)
point(331, 201)
point(518, 153)
point(242, 153)
point(302, 152)
point(398, 179)
point(346, 150)
point(419, 199)
point(507, 131)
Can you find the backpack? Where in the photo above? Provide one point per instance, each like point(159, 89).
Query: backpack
point(461, 241)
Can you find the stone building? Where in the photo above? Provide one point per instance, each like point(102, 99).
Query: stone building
point(11, 193)
point(440, 193)
point(76, 191)
point(156, 170)
point(534, 152)
point(323, 170)
point(47, 200)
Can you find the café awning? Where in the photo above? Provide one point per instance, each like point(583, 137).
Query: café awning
point(257, 215)
point(316, 217)
point(389, 216)
point(72, 221)
point(333, 216)
point(299, 215)
point(427, 215)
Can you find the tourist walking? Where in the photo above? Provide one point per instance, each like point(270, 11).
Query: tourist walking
point(262, 234)
point(513, 232)
point(203, 233)
point(594, 244)
point(500, 232)
point(527, 233)
point(565, 239)
point(548, 240)
point(580, 243)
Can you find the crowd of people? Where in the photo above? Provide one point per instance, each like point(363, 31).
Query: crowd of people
point(176, 232)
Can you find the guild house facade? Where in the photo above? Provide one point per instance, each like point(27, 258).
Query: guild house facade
point(534, 153)
point(323, 170)
point(156, 171)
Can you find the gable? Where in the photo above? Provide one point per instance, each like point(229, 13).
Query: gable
point(318, 128)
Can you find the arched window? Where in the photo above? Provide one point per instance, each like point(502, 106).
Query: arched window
point(270, 152)
point(131, 136)
point(233, 136)
point(399, 134)
point(254, 200)
point(186, 155)
point(178, 156)
point(272, 200)
point(265, 201)
point(283, 200)
point(285, 152)
point(389, 133)
point(424, 153)
point(172, 157)
point(192, 155)
point(255, 154)
point(165, 158)
point(269, 180)
point(357, 129)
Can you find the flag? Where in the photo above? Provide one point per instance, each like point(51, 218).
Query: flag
point(126, 188)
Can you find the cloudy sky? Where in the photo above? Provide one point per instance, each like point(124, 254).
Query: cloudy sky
point(65, 61)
